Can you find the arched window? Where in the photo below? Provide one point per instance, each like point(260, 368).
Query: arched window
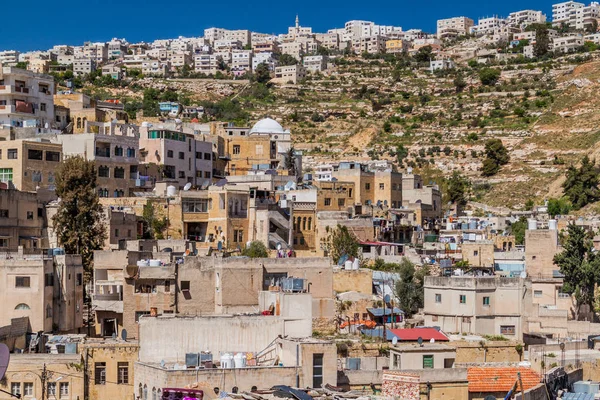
point(145, 396)
point(304, 223)
point(154, 393)
point(309, 223)
point(299, 222)
point(22, 306)
point(140, 393)
point(79, 123)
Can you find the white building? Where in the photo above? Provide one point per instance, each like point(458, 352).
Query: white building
point(523, 18)
point(212, 34)
point(452, 27)
point(315, 63)
point(241, 60)
point(582, 17)
point(566, 44)
point(9, 57)
point(561, 12)
point(266, 58)
point(435, 65)
point(487, 26)
point(155, 68)
point(26, 98)
point(323, 173)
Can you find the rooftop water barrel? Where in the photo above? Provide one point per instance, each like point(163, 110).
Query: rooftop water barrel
point(552, 224)
point(171, 191)
point(239, 360)
point(226, 360)
point(531, 224)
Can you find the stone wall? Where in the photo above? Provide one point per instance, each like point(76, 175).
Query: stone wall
point(360, 281)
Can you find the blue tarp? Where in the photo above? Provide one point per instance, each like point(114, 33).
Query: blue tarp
point(578, 396)
point(378, 312)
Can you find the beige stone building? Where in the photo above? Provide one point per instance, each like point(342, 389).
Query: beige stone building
point(415, 356)
point(27, 164)
point(478, 254)
point(24, 220)
point(479, 305)
point(289, 73)
point(46, 289)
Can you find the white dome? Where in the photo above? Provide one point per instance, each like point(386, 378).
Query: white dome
point(267, 125)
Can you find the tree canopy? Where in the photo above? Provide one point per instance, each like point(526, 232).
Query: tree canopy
point(496, 156)
point(458, 186)
point(342, 242)
point(560, 206)
point(409, 289)
point(580, 265)
point(286, 59)
point(517, 229)
point(581, 185)
point(489, 76)
point(262, 73)
point(256, 249)
point(78, 220)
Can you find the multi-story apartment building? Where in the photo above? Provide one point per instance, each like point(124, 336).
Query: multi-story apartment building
point(116, 48)
point(294, 49)
point(266, 58)
point(520, 19)
point(48, 290)
point(29, 164)
point(25, 98)
point(179, 59)
point(478, 305)
point(315, 63)
point(212, 34)
point(240, 35)
point(487, 26)
point(452, 27)
point(584, 17)
point(241, 61)
point(566, 44)
point(290, 73)
point(9, 57)
point(328, 40)
point(397, 46)
point(114, 148)
point(297, 30)
point(265, 47)
point(96, 51)
point(81, 66)
point(175, 156)
point(24, 220)
point(561, 12)
point(155, 67)
point(227, 45)
point(369, 44)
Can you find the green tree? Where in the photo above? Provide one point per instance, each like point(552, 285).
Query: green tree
point(262, 73)
point(458, 187)
point(79, 219)
point(401, 153)
point(150, 102)
point(580, 265)
point(342, 242)
point(256, 249)
point(424, 54)
point(286, 59)
point(542, 40)
point(489, 76)
point(560, 206)
point(529, 204)
point(289, 161)
point(581, 185)
point(496, 156)
point(154, 224)
point(459, 83)
point(322, 51)
point(387, 127)
point(409, 288)
point(517, 229)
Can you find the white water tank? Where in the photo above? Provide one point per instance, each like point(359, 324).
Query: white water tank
point(552, 224)
point(531, 224)
point(226, 360)
point(155, 263)
point(239, 360)
point(355, 264)
point(348, 265)
point(449, 226)
point(171, 191)
point(142, 263)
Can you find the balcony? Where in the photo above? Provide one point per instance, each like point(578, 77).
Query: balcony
point(12, 89)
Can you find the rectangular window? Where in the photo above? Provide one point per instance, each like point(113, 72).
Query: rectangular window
point(463, 299)
point(236, 149)
point(486, 301)
point(3, 243)
point(52, 156)
point(170, 153)
point(79, 279)
point(52, 389)
point(427, 361)
point(327, 201)
point(167, 286)
point(64, 389)
point(475, 253)
point(15, 388)
point(367, 186)
point(507, 329)
point(33, 154)
point(181, 174)
point(6, 174)
point(181, 155)
point(22, 281)
point(381, 186)
point(438, 297)
point(116, 233)
point(42, 106)
point(49, 279)
point(29, 214)
point(341, 202)
point(3, 213)
point(207, 174)
point(12, 154)
point(100, 373)
point(185, 286)
point(537, 293)
point(28, 389)
point(317, 370)
point(198, 155)
point(208, 156)
point(122, 373)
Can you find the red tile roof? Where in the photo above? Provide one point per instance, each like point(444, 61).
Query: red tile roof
point(502, 379)
point(415, 333)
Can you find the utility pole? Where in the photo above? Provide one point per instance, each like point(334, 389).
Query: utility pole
point(44, 377)
point(86, 381)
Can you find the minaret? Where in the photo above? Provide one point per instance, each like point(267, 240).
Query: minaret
point(297, 22)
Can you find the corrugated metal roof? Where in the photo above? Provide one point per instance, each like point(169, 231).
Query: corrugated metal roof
point(578, 396)
point(378, 312)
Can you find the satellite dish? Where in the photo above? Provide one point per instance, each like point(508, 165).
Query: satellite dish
point(432, 340)
point(187, 186)
point(523, 275)
point(162, 363)
point(395, 340)
point(386, 298)
point(562, 346)
point(420, 341)
point(4, 359)
point(279, 246)
point(124, 335)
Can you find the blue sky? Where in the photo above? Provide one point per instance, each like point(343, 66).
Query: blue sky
point(40, 24)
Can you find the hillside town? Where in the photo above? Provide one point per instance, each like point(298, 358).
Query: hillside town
point(366, 213)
